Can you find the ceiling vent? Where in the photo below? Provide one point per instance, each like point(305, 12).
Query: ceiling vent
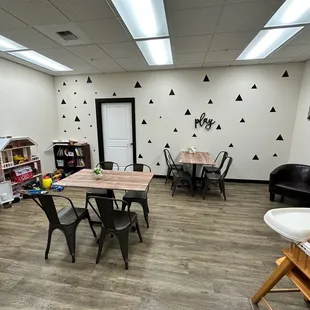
point(67, 35)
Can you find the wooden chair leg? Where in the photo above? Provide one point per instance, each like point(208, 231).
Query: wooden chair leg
point(138, 230)
point(274, 278)
point(103, 234)
point(123, 242)
point(49, 239)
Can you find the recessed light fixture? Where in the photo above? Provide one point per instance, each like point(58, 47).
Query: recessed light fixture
point(267, 41)
point(143, 18)
point(40, 60)
point(156, 52)
point(291, 13)
point(9, 45)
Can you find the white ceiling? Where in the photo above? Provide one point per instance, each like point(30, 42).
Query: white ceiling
point(203, 33)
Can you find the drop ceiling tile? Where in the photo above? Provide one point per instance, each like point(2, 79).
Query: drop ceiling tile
point(222, 56)
point(180, 66)
point(246, 62)
point(78, 10)
point(303, 57)
point(302, 38)
point(290, 51)
point(217, 64)
point(123, 49)
point(191, 44)
point(107, 66)
point(189, 58)
point(133, 63)
point(30, 38)
point(34, 12)
point(246, 16)
point(9, 22)
point(274, 61)
point(234, 40)
point(66, 58)
point(185, 4)
point(193, 22)
point(168, 67)
point(242, 1)
point(104, 30)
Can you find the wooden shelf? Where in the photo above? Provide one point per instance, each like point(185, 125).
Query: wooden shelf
point(35, 176)
point(25, 163)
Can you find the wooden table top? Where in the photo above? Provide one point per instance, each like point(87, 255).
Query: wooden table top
point(199, 158)
point(117, 180)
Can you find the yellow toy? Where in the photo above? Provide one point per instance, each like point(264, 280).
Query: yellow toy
point(18, 159)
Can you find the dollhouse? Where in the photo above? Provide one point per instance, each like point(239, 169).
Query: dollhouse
point(19, 164)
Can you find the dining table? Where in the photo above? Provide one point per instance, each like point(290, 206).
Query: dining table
point(194, 159)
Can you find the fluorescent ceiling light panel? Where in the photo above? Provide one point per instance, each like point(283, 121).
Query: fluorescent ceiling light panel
point(7, 45)
point(291, 13)
point(267, 41)
point(40, 60)
point(157, 52)
point(143, 18)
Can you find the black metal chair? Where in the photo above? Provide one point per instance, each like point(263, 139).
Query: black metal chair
point(66, 220)
point(139, 197)
point(105, 165)
point(114, 222)
point(217, 178)
point(170, 164)
point(221, 157)
point(180, 177)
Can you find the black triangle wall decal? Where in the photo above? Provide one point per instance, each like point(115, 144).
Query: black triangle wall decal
point(242, 120)
point(140, 156)
point(151, 101)
point(75, 107)
point(280, 138)
point(210, 102)
point(206, 79)
point(59, 90)
point(175, 130)
point(158, 164)
point(114, 95)
point(254, 86)
point(167, 146)
point(63, 116)
point(218, 127)
point(255, 157)
point(171, 92)
point(79, 128)
point(160, 117)
point(138, 85)
point(89, 80)
point(149, 141)
point(65, 130)
point(194, 136)
point(63, 101)
point(84, 102)
point(273, 109)
point(275, 155)
point(187, 112)
point(239, 98)
point(90, 125)
point(75, 81)
point(88, 114)
point(231, 145)
point(285, 74)
point(144, 122)
point(77, 119)
point(64, 84)
point(74, 93)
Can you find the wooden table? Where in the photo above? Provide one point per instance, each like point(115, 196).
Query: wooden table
point(115, 180)
point(198, 158)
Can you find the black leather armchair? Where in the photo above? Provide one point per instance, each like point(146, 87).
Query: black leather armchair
point(290, 180)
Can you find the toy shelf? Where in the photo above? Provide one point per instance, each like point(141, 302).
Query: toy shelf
point(17, 163)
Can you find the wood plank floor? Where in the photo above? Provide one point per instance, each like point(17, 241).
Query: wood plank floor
point(196, 255)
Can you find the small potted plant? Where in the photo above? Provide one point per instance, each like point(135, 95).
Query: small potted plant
point(98, 173)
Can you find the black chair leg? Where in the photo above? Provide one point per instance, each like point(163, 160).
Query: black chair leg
point(168, 174)
point(138, 230)
point(100, 242)
point(123, 242)
point(272, 196)
point(223, 189)
point(70, 233)
point(91, 225)
point(191, 186)
point(49, 238)
point(124, 205)
point(113, 196)
point(145, 208)
point(175, 184)
point(282, 199)
point(206, 186)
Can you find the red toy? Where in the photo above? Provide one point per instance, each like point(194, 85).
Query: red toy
point(22, 174)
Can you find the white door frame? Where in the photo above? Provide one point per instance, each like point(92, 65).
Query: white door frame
point(99, 103)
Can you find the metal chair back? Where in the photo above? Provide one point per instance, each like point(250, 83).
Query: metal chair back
point(138, 167)
point(108, 165)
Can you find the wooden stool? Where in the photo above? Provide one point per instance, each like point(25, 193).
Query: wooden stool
point(296, 266)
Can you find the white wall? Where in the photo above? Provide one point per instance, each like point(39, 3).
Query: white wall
point(257, 136)
point(300, 148)
point(27, 102)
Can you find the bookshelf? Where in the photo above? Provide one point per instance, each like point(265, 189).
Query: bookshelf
point(72, 157)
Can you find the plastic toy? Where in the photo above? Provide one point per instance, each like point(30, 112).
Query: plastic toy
point(47, 181)
point(57, 188)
